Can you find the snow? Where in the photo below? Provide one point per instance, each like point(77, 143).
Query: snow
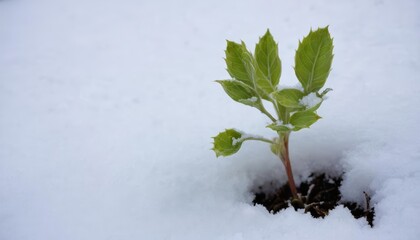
point(310, 100)
point(253, 99)
point(107, 109)
point(280, 123)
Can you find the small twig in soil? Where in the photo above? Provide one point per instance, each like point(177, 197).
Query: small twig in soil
point(367, 198)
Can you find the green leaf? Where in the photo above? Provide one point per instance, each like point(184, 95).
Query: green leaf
point(325, 92)
point(276, 147)
point(313, 59)
point(240, 92)
point(280, 127)
point(264, 85)
point(242, 66)
point(283, 112)
point(314, 108)
point(239, 63)
point(303, 119)
point(266, 55)
point(289, 98)
point(227, 143)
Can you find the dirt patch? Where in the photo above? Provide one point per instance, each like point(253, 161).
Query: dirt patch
point(319, 195)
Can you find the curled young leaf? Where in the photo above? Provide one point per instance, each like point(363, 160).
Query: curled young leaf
point(313, 59)
point(227, 143)
point(276, 147)
point(325, 92)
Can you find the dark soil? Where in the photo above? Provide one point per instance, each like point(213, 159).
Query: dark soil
point(319, 195)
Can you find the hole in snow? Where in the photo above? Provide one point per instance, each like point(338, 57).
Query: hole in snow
point(318, 195)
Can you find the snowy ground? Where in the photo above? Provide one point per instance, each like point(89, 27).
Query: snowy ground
point(107, 109)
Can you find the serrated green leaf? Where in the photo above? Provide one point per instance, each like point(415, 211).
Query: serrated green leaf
point(264, 85)
point(239, 63)
point(313, 59)
point(289, 98)
point(266, 55)
point(253, 102)
point(227, 143)
point(240, 92)
point(303, 119)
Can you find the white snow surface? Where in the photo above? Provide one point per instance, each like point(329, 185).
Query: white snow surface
point(107, 109)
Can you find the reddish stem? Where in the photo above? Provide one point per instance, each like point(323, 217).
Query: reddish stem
point(288, 167)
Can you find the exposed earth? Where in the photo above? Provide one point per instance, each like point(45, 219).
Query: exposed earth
point(319, 195)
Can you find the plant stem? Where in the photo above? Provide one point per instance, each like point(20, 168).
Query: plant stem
point(263, 110)
point(284, 156)
point(259, 139)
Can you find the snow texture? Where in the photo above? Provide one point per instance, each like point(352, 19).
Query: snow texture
point(253, 99)
point(280, 123)
point(107, 109)
point(310, 101)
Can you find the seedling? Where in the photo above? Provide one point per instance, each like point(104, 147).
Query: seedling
point(255, 79)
